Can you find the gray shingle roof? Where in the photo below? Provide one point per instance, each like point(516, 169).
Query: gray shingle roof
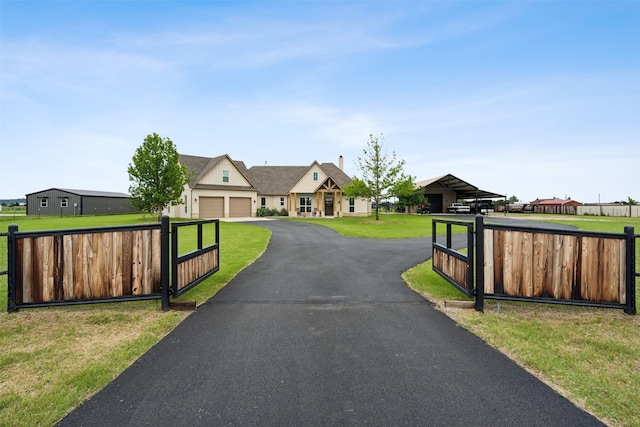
point(337, 174)
point(197, 165)
point(276, 180)
point(268, 180)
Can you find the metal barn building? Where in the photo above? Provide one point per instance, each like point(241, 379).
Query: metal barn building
point(65, 202)
point(443, 190)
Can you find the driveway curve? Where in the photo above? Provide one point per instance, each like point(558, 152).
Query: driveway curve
point(322, 331)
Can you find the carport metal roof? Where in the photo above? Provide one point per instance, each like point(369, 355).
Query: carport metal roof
point(463, 189)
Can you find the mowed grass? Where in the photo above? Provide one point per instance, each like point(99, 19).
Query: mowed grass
point(52, 359)
point(389, 226)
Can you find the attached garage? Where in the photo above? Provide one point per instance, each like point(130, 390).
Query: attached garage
point(239, 207)
point(211, 207)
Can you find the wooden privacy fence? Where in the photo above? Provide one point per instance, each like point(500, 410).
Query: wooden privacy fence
point(544, 265)
point(94, 265)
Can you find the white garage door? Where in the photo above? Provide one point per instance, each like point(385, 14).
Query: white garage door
point(239, 207)
point(211, 207)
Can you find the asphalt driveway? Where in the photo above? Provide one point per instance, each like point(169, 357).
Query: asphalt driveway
point(322, 331)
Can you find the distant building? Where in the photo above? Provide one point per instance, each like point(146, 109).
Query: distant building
point(555, 206)
point(65, 202)
point(441, 191)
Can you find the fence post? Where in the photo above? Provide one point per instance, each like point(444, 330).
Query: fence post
point(12, 307)
point(433, 232)
point(174, 259)
point(479, 263)
point(471, 258)
point(631, 270)
point(165, 259)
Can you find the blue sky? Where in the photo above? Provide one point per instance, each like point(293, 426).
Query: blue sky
point(525, 98)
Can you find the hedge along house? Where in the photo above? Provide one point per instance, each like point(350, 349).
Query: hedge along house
point(444, 190)
point(65, 202)
point(224, 188)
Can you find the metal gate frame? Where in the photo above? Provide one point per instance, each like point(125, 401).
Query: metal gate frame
point(454, 256)
point(195, 256)
point(478, 290)
point(166, 264)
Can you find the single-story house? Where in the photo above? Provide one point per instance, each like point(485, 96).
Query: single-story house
point(220, 187)
point(444, 190)
point(65, 202)
point(555, 206)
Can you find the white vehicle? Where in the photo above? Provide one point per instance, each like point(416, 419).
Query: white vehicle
point(459, 208)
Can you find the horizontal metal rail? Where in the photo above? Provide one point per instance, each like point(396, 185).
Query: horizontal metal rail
point(199, 254)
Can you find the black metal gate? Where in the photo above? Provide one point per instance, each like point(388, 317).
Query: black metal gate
point(104, 264)
point(454, 266)
point(544, 265)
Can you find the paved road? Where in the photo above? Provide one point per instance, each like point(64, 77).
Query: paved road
point(322, 331)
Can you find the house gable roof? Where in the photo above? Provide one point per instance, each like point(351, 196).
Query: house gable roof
point(199, 166)
point(268, 180)
point(463, 189)
point(337, 174)
point(279, 180)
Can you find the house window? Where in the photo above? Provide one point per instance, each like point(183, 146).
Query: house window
point(263, 201)
point(352, 204)
point(225, 176)
point(44, 202)
point(315, 176)
point(305, 204)
point(281, 201)
point(64, 202)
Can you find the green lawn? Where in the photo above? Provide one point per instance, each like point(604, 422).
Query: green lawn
point(52, 359)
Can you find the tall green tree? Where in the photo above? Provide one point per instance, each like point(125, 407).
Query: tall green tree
point(380, 172)
point(631, 202)
point(407, 193)
point(157, 177)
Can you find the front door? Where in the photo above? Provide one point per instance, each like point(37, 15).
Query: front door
point(328, 204)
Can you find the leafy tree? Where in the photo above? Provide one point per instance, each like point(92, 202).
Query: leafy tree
point(631, 202)
point(380, 172)
point(407, 193)
point(157, 177)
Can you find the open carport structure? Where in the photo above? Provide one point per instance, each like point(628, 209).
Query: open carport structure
point(443, 190)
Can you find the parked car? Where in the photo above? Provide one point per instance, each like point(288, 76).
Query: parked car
point(459, 208)
point(423, 210)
